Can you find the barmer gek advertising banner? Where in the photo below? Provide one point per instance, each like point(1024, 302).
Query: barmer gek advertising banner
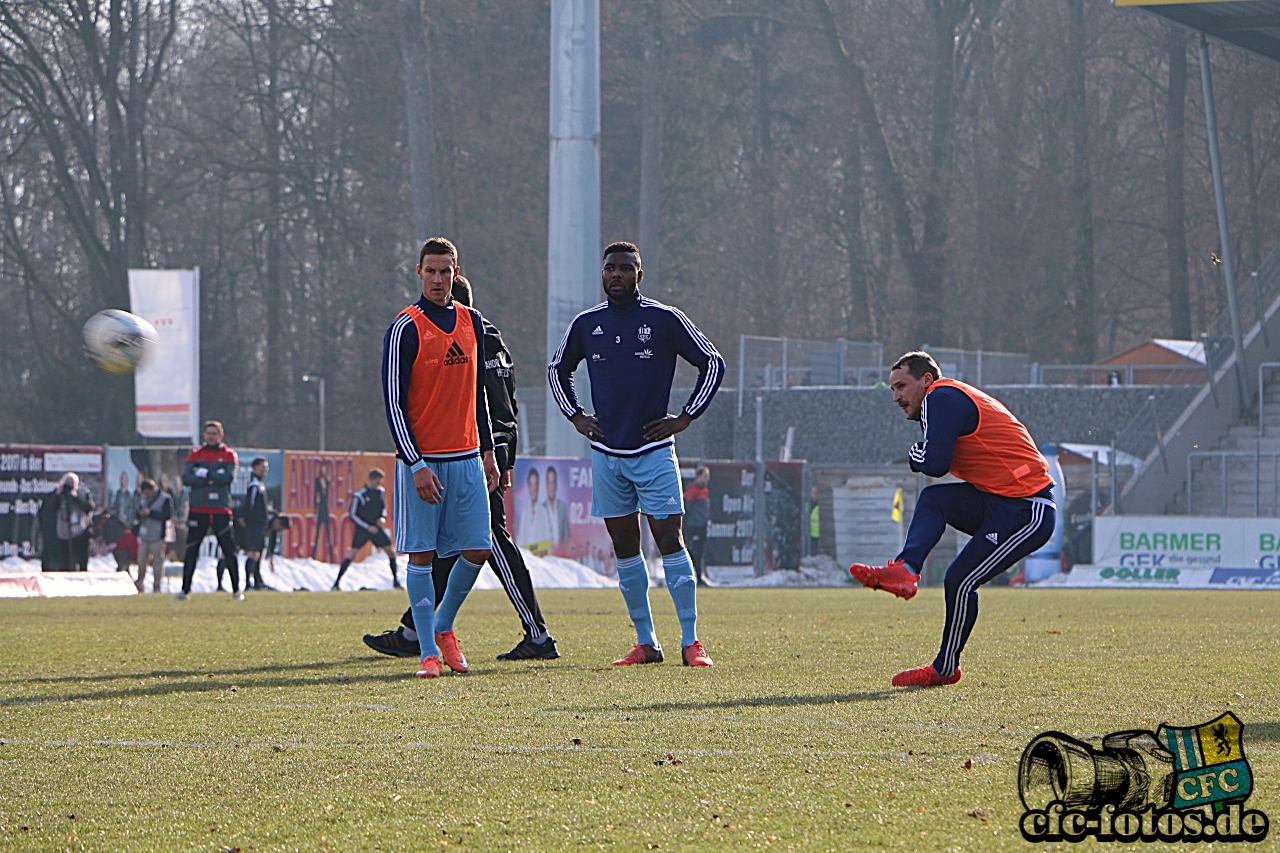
point(1187, 551)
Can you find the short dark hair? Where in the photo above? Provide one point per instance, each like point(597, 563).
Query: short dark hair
point(462, 291)
point(256, 460)
point(148, 485)
point(438, 246)
point(212, 423)
point(701, 468)
point(918, 363)
point(376, 472)
point(621, 246)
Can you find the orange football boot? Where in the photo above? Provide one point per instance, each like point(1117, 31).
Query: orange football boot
point(894, 577)
point(449, 651)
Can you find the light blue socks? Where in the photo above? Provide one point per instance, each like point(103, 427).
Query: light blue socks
point(422, 600)
point(683, 588)
point(461, 579)
point(633, 581)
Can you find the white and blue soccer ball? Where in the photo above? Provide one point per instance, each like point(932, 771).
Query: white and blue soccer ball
point(117, 341)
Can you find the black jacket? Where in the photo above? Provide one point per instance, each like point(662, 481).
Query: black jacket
point(500, 388)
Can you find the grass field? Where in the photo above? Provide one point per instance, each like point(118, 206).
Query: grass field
point(144, 724)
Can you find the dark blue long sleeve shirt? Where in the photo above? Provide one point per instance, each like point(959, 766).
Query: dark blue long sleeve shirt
point(945, 415)
point(631, 358)
point(400, 350)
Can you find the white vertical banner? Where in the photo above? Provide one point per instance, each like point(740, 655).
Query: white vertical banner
point(167, 385)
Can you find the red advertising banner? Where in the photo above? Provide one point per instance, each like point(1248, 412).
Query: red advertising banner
point(317, 494)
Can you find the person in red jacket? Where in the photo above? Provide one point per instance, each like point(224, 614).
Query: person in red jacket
point(208, 473)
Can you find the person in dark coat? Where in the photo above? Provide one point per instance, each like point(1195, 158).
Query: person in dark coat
point(75, 520)
point(47, 519)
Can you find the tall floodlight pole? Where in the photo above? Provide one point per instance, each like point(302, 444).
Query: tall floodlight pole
point(1224, 235)
point(573, 204)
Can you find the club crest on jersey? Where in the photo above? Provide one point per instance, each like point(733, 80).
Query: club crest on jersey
point(644, 333)
point(455, 355)
point(598, 331)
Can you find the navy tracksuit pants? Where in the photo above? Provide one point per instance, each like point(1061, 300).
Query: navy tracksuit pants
point(1004, 530)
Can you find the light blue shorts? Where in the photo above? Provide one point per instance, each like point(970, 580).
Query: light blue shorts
point(621, 485)
point(459, 522)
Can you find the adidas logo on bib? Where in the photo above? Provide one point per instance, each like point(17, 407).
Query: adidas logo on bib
point(993, 538)
point(598, 331)
point(455, 355)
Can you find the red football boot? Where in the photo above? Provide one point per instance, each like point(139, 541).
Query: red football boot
point(430, 667)
point(642, 653)
point(894, 577)
point(695, 655)
point(924, 676)
point(447, 642)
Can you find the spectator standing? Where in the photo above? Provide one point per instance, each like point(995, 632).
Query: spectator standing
point(815, 522)
point(697, 514)
point(75, 518)
point(117, 538)
point(155, 508)
point(181, 505)
point(320, 499)
point(122, 502)
point(50, 547)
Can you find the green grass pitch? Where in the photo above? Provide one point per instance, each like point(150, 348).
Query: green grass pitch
point(145, 724)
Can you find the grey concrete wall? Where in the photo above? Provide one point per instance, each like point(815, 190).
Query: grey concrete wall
point(1203, 425)
point(862, 426)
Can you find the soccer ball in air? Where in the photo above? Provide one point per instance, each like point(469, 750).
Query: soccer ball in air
point(118, 341)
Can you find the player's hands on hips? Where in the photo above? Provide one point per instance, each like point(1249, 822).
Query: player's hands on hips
point(667, 426)
point(491, 475)
point(427, 484)
point(588, 425)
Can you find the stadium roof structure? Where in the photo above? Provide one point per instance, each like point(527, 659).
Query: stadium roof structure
point(1251, 24)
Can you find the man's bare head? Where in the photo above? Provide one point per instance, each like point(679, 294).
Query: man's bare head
point(909, 380)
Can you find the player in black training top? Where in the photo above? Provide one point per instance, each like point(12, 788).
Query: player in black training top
point(253, 524)
point(369, 514)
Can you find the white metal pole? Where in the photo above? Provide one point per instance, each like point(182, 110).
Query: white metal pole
point(573, 202)
point(196, 439)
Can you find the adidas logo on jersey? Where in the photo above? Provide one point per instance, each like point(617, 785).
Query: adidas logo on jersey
point(598, 331)
point(993, 538)
point(455, 355)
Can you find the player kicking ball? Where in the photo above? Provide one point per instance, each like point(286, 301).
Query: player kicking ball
point(433, 387)
point(630, 344)
point(1005, 502)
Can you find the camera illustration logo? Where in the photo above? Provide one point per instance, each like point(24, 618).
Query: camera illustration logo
point(1175, 784)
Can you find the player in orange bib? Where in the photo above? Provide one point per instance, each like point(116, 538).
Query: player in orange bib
point(1005, 502)
point(433, 387)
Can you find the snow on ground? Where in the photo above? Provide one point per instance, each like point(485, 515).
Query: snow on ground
point(314, 576)
point(821, 570)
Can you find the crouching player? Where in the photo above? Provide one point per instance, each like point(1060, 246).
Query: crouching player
point(1005, 503)
point(433, 388)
